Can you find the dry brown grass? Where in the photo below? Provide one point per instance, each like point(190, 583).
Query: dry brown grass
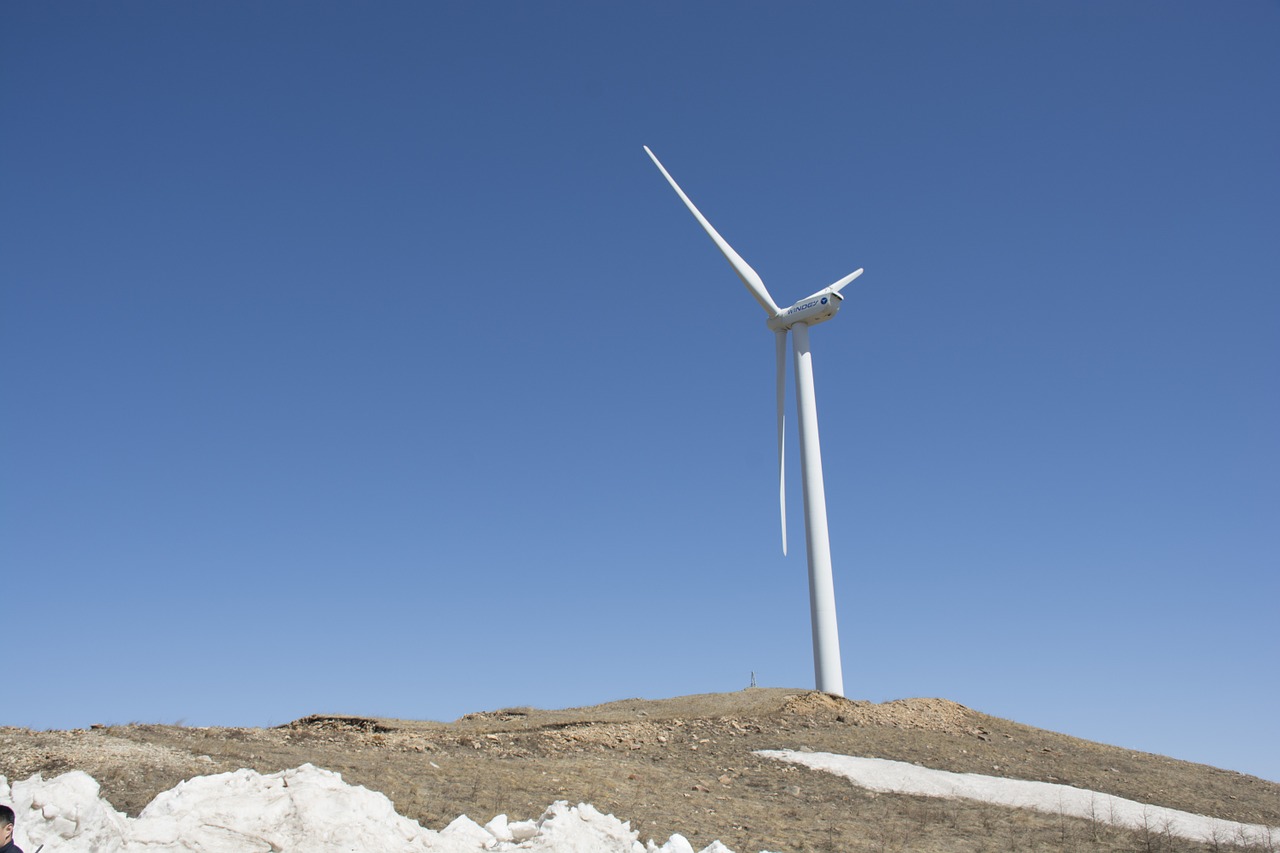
point(686, 765)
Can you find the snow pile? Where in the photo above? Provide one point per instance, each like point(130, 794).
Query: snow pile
point(306, 809)
point(897, 777)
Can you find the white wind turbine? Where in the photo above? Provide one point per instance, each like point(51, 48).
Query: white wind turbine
point(798, 318)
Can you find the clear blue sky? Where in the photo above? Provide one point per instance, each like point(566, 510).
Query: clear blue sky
point(355, 358)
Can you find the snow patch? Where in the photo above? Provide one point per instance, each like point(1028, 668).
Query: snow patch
point(897, 777)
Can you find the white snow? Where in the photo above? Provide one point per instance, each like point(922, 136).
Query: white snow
point(313, 810)
point(878, 774)
point(305, 809)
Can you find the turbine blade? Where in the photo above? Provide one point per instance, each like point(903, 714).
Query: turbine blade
point(835, 288)
point(749, 276)
point(781, 337)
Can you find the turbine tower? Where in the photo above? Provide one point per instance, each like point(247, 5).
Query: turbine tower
point(797, 319)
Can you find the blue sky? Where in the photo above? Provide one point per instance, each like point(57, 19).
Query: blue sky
point(357, 359)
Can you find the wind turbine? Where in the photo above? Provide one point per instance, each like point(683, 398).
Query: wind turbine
point(797, 319)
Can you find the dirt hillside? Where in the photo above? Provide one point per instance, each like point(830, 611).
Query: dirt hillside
point(682, 765)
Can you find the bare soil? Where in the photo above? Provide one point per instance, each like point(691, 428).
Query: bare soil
point(683, 765)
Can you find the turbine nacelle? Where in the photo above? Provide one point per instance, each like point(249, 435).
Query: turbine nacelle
point(817, 308)
point(814, 308)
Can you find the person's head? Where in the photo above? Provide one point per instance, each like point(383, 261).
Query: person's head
point(6, 825)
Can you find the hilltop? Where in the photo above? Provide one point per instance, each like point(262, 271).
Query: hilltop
point(685, 765)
